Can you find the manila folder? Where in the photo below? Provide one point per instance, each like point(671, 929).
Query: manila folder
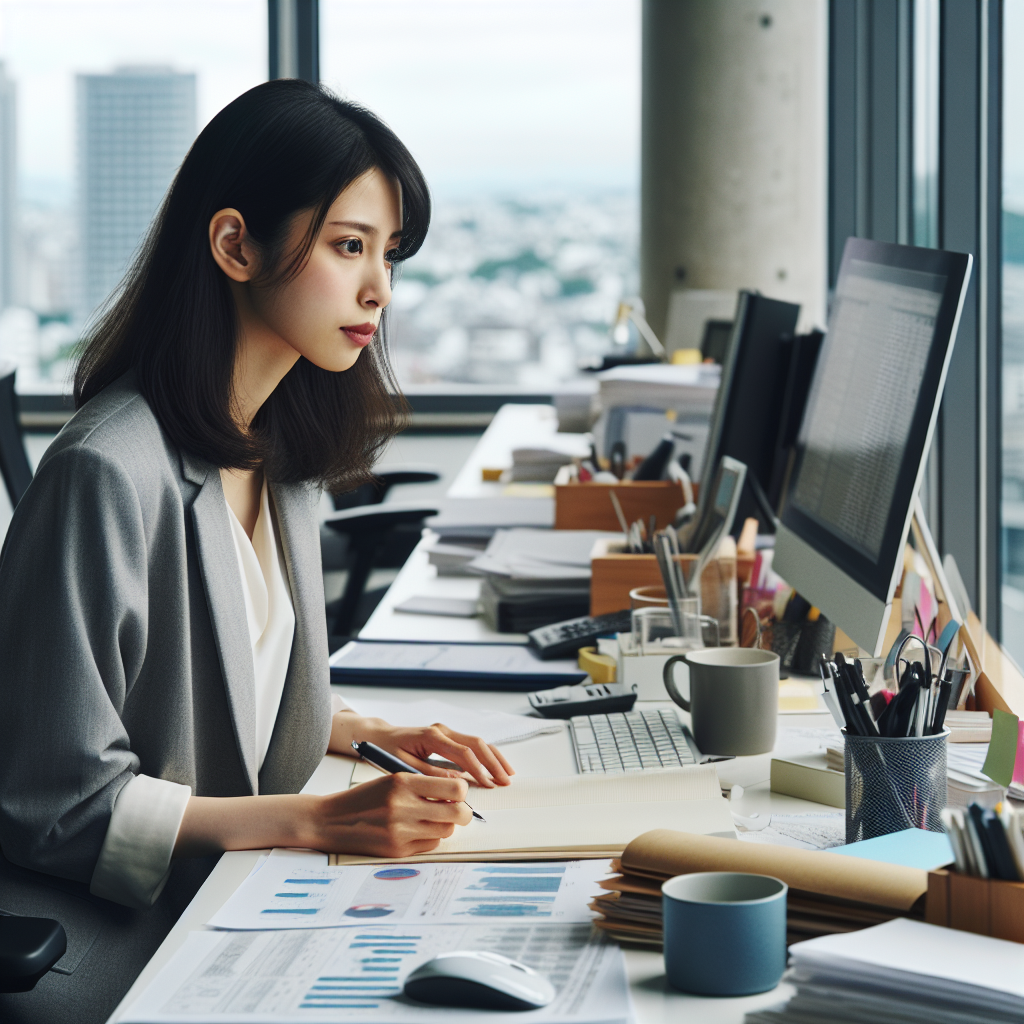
point(663, 854)
point(581, 815)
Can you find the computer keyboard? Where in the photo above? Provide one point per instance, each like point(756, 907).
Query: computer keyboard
point(631, 741)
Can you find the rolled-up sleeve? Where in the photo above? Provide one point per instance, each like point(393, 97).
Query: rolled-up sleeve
point(73, 635)
point(135, 859)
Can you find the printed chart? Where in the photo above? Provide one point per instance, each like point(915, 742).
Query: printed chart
point(342, 974)
point(286, 893)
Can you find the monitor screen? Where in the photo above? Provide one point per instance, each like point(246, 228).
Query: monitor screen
point(861, 407)
point(871, 411)
point(750, 399)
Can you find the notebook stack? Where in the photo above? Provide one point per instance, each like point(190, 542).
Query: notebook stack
point(828, 893)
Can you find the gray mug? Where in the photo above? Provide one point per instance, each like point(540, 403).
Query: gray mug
point(725, 932)
point(734, 698)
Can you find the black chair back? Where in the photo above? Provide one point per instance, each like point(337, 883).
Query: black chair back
point(14, 465)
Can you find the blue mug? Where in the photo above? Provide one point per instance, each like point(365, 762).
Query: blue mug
point(725, 932)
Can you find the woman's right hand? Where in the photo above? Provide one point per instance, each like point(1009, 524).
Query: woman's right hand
point(393, 816)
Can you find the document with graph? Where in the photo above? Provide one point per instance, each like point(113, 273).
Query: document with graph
point(298, 892)
point(356, 975)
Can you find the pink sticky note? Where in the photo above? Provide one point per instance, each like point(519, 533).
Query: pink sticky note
point(1018, 765)
point(925, 608)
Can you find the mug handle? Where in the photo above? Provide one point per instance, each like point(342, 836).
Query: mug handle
point(668, 676)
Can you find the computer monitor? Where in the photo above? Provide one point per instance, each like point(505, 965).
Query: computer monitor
point(748, 406)
point(866, 430)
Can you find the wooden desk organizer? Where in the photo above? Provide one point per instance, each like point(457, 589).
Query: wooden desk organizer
point(982, 905)
point(613, 576)
point(589, 507)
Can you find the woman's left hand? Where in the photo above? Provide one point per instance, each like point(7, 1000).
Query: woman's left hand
point(480, 762)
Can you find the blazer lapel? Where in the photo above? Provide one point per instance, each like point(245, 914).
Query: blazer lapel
point(218, 564)
point(302, 728)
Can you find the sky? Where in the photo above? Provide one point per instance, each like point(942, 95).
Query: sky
point(488, 94)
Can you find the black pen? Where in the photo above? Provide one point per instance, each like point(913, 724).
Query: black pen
point(386, 762)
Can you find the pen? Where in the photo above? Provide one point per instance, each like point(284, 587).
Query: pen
point(380, 758)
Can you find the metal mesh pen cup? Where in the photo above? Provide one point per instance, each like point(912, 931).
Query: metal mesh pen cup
point(894, 783)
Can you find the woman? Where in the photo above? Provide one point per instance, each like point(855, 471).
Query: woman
point(162, 628)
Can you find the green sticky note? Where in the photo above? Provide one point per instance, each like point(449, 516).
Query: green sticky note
point(1002, 750)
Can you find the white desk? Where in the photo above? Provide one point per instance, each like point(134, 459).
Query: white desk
point(542, 756)
point(514, 426)
point(418, 578)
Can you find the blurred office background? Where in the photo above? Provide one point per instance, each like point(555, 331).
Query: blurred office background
point(580, 152)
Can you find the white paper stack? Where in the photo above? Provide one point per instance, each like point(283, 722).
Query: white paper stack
point(452, 559)
point(686, 389)
point(463, 519)
point(966, 783)
point(904, 971)
point(540, 554)
point(541, 463)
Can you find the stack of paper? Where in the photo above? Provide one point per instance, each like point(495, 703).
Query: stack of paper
point(577, 815)
point(903, 971)
point(470, 519)
point(828, 893)
point(965, 781)
point(452, 559)
point(687, 389)
point(541, 464)
point(540, 554)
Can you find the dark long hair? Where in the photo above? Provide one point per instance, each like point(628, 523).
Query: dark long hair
point(280, 148)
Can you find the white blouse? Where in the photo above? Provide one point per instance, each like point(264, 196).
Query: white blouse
point(135, 859)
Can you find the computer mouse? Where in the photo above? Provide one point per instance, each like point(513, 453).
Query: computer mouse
point(482, 980)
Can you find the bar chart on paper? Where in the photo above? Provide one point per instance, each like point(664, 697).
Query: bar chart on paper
point(342, 974)
point(283, 893)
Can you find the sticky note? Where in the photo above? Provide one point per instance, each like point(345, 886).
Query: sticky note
point(913, 848)
point(1002, 750)
point(1018, 768)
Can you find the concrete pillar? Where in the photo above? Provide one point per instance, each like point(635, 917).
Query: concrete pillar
point(733, 157)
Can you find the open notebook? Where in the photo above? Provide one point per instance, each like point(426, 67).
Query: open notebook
point(577, 815)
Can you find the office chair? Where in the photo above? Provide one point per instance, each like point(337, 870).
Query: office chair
point(377, 536)
point(29, 947)
point(374, 491)
point(14, 464)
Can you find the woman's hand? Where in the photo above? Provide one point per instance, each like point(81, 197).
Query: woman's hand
point(393, 816)
point(479, 761)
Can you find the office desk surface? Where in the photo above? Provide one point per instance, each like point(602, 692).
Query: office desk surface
point(544, 755)
point(513, 426)
point(418, 578)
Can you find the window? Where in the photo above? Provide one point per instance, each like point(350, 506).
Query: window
point(525, 116)
point(99, 102)
point(1013, 333)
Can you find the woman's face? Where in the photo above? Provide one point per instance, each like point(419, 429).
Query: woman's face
point(330, 310)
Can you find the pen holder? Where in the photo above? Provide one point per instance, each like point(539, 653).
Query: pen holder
point(894, 783)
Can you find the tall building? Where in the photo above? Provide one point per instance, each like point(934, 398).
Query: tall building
point(134, 129)
point(8, 187)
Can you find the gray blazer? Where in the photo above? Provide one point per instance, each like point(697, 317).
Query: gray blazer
point(124, 647)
